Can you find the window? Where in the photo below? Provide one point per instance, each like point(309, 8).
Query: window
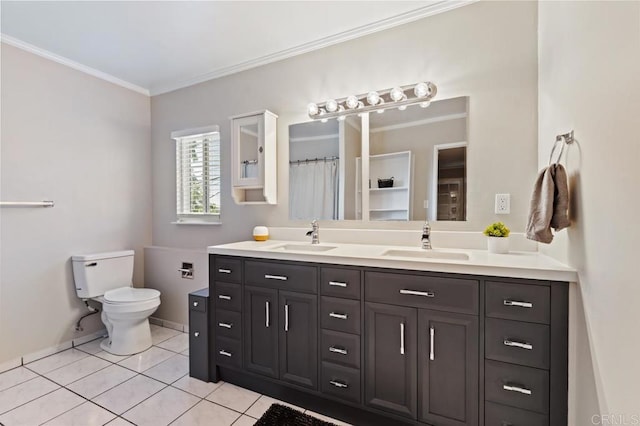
point(198, 174)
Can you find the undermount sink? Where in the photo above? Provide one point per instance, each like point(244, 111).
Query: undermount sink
point(304, 247)
point(427, 254)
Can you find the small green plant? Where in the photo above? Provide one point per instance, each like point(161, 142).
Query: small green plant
point(497, 229)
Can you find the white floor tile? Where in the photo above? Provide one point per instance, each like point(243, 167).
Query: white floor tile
point(56, 361)
point(42, 409)
point(233, 397)
point(185, 352)
point(15, 377)
point(162, 408)
point(196, 387)
point(207, 413)
point(118, 421)
point(92, 347)
point(126, 395)
point(245, 421)
point(25, 392)
point(326, 419)
point(160, 334)
point(264, 402)
point(77, 370)
point(111, 357)
point(87, 414)
point(177, 343)
point(101, 381)
point(170, 370)
point(147, 359)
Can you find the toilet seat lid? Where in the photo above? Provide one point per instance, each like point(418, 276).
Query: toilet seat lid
point(130, 294)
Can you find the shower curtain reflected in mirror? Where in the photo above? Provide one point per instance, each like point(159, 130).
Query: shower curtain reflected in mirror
point(313, 190)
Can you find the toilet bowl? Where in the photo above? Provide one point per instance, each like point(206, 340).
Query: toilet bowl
point(125, 313)
point(107, 279)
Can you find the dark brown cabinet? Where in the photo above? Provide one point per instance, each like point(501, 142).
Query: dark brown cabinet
point(447, 368)
point(391, 358)
point(261, 331)
point(299, 338)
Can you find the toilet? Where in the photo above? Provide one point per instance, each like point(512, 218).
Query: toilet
point(108, 278)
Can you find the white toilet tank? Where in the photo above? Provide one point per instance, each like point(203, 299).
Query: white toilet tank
point(95, 274)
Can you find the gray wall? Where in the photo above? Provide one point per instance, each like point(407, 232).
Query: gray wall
point(487, 51)
point(590, 82)
point(84, 143)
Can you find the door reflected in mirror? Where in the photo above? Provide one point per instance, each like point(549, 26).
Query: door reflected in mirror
point(321, 172)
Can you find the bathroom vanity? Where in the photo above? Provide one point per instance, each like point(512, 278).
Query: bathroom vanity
point(415, 337)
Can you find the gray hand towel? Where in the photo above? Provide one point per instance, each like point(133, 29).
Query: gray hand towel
point(549, 204)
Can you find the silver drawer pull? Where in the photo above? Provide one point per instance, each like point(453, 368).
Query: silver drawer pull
point(196, 334)
point(275, 277)
point(224, 297)
point(286, 317)
point(225, 325)
point(432, 349)
point(508, 302)
point(266, 314)
point(339, 384)
point(224, 271)
point(418, 293)
point(225, 353)
point(338, 316)
point(516, 344)
point(515, 388)
point(337, 284)
point(338, 350)
point(401, 338)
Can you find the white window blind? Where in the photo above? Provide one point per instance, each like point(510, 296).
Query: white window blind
point(198, 174)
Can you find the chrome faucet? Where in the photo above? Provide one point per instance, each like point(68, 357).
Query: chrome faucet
point(315, 232)
point(426, 236)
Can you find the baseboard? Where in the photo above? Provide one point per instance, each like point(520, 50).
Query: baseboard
point(169, 324)
point(34, 356)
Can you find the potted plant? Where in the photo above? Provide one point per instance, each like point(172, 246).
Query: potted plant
point(498, 234)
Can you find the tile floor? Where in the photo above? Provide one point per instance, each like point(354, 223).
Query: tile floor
point(87, 386)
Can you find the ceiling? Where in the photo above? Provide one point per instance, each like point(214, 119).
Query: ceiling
point(158, 46)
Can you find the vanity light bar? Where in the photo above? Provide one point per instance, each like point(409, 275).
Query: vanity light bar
point(397, 97)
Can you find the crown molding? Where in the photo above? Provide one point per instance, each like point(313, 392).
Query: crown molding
point(383, 24)
point(12, 41)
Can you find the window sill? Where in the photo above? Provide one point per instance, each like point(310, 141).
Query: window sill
point(197, 223)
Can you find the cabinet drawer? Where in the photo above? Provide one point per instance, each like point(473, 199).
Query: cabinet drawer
point(228, 270)
point(519, 302)
point(197, 303)
point(341, 382)
point(340, 282)
point(341, 348)
point(501, 415)
point(516, 386)
point(227, 296)
point(340, 314)
point(282, 276)
point(517, 342)
point(228, 352)
point(228, 324)
point(439, 293)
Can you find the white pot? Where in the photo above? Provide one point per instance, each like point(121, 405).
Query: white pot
point(499, 245)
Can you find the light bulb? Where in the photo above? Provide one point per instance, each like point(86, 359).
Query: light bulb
point(352, 102)
point(312, 109)
point(425, 104)
point(396, 94)
point(373, 98)
point(421, 90)
point(331, 105)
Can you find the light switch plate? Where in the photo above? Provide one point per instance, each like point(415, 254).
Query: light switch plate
point(503, 204)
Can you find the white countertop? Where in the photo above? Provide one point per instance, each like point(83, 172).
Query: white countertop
point(515, 264)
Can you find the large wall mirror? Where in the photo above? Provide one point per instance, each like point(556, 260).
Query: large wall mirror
point(417, 165)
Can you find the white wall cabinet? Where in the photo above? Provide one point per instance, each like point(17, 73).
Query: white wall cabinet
point(253, 155)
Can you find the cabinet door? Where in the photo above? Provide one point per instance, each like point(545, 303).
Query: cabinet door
point(261, 330)
point(299, 338)
point(391, 358)
point(448, 368)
